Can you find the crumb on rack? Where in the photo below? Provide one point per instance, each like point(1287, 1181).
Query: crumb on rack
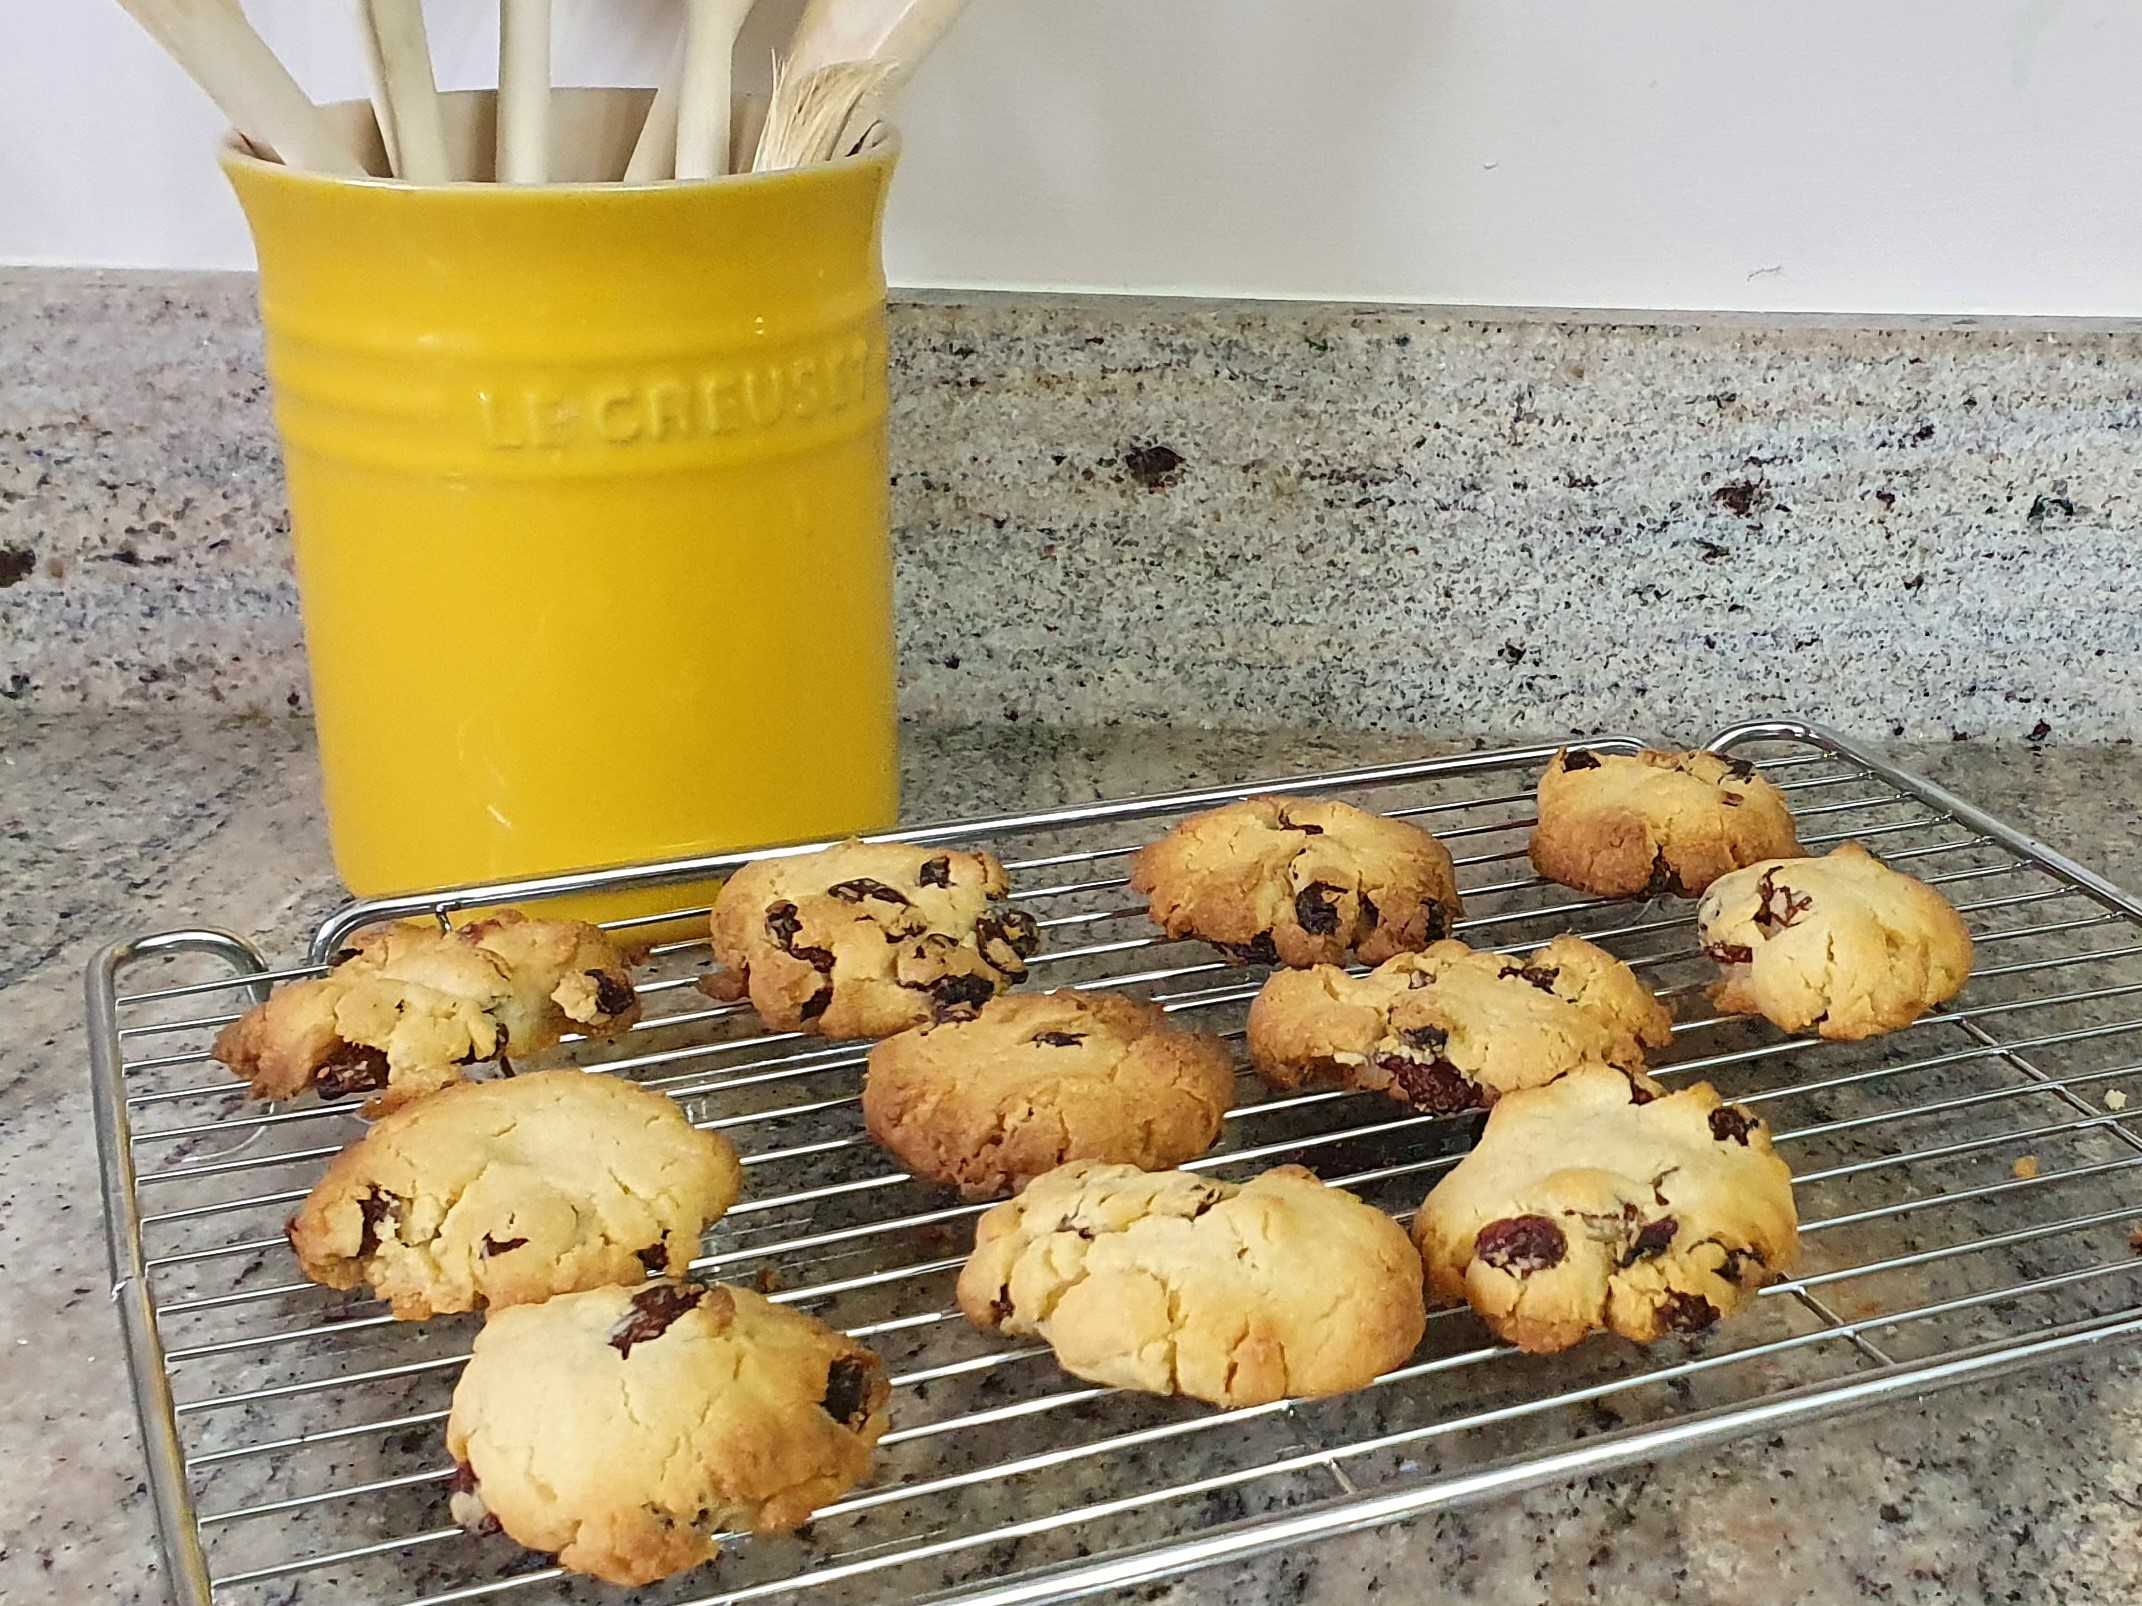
point(2115, 1099)
point(2134, 1240)
point(2025, 1168)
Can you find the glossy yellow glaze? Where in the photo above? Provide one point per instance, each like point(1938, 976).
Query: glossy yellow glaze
point(588, 494)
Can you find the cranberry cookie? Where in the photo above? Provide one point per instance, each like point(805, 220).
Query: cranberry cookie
point(1452, 1028)
point(1842, 944)
point(408, 1007)
point(866, 939)
point(1039, 1079)
point(1656, 823)
point(1178, 1284)
point(626, 1429)
point(1599, 1203)
point(497, 1193)
point(1291, 881)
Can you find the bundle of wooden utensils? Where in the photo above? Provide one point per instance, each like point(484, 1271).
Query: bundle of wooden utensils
point(831, 88)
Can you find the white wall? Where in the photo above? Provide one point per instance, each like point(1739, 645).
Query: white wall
point(1845, 155)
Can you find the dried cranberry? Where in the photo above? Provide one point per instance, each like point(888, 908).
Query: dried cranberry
point(655, 1257)
point(817, 1004)
point(1730, 1123)
point(1541, 976)
point(1779, 906)
point(1665, 879)
point(1015, 929)
point(936, 872)
point(653, 1310)
point(1259, 950)
point(1729, 953)
point(463, 1480)
point(783, 923)
point(863, 887)
point(499, 1246)
point(1521, 1245)
point(1436, 1088)
point(847, 1399)
point(612, 996)
point(1687, 1313)
point(375, 1209)
point(959, 997)
point(1653, 1240)
point(819, 959)
point(351, 1068)
point(1740, 769)
point(1316, 908)
point(1060, 1039)
point(1580, 760)
point(1437, 921)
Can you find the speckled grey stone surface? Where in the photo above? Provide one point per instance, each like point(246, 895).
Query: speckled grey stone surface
point(2028, 1490)
point(1250, 516)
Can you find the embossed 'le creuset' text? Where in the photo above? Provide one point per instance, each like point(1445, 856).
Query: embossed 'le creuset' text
point(734, 400)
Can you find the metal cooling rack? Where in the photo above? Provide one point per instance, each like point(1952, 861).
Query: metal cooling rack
point(1966, 1187)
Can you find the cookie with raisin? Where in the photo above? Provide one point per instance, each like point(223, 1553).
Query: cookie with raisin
point(1037, 1080)
point(1299, 881)
point(624, 1430)
point(865, 939)
point(1454, 1028)
point(1842, 945)
point(408, 1008)
point(1598, 1203)
point(1237, 1294)
point(497, 1193)
point(1655, 824)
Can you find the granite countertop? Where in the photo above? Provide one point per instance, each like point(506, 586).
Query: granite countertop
point(2030, 1489)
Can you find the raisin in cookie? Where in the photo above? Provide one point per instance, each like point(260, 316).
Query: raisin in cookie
point(1291, 881)
point(1178, 1284)
point(1842, 944)
point(866, 939)
point(1598, 1203)
point(1655, 823)
point(625, 1429)
point(407, 1007)
point(1452, 1028)
point(1039, 1079)
point(497, 1193)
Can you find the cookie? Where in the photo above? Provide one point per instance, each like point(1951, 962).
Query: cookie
point(1452, 1028)
point(1655, 823)
point(864, 939)
point(408, 1007)
point(1178, 1284)
point(1841, 944)
point(1039, 1079)
point(1296, 881)
point(625, 1429)
point(497, 1193)
point(1598, 1203)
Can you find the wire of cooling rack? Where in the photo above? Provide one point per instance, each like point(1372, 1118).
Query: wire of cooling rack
point(1965, 1188)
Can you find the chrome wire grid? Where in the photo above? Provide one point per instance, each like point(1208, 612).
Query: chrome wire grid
point(1967, 1189)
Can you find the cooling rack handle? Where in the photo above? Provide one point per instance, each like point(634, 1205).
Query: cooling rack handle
point(175, 1515)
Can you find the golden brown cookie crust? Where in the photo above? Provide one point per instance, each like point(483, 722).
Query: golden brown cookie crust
point(1178, 1284)
point(865, 939)
point(1596, 1204)
point(498, 1193)
point(1040, 1079)
point(1842, 945)
point(1655, 824)
point(623, 1428)
point(1454, 1028)
point(408, 1007)
point(1299, 881)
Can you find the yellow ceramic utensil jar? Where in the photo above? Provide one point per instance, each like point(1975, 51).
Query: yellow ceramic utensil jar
point(588, 495)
